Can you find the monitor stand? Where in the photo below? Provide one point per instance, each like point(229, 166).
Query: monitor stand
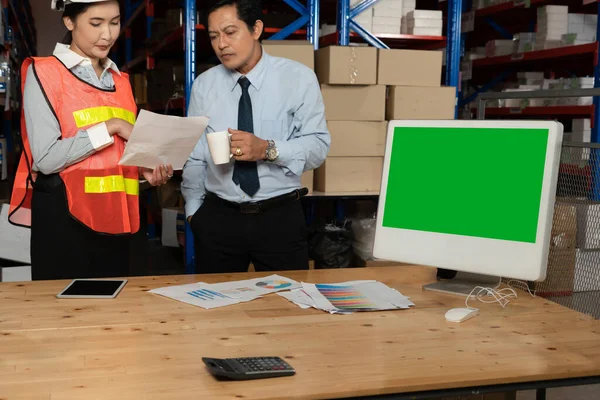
point(463, 283)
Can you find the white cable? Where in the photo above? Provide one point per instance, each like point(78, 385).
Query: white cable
point(521, 285)
point(501, 296)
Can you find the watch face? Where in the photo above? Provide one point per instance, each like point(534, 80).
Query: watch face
point(272, 153)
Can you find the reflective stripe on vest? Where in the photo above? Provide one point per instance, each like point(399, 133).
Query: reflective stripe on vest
point(100, 193)
point(95, 115)
point(111, 184)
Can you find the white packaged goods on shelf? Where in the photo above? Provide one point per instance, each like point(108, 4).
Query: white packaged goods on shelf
point(327, 29)
point(421, 14)
point(582, 124)
point(581, 136)
point(425, 31)
point(387, 8)
point(386, 25)
point(524, 36)
point(530, 75)
point(576, 19)
point(425, 23)
point(549, 44)
point(573, 39)
point(588, 225)
point(467, 23)
point(552, 10)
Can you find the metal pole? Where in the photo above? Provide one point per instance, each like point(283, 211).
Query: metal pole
point(190, 74)
point(343, 23)
point(453, 46)
point(128, 41)
point(312, 29)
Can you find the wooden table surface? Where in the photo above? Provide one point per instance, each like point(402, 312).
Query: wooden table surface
point(144, 346)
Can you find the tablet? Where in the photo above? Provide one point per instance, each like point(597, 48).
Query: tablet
point(92, 289)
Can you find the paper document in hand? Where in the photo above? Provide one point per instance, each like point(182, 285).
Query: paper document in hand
point(355, 296)
point(214, 295)
point(159, 139)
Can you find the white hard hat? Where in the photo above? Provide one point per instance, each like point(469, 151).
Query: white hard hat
point(58, 5)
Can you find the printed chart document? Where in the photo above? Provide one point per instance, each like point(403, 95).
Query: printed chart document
point(162, 139)
point(222, 294)
point(348, 297)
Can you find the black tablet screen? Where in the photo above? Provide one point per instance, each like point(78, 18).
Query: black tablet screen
point(92, 288)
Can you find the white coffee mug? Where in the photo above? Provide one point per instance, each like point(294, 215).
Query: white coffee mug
point(219, 144)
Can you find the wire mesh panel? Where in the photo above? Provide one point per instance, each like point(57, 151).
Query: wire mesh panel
point(573, 276)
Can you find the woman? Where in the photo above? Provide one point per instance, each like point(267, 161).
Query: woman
point(78, 111)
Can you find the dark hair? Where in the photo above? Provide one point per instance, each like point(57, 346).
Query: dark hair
point(72, 10)
point(248, 11)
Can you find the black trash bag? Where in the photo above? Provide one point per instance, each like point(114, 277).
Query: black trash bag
point(330, 245)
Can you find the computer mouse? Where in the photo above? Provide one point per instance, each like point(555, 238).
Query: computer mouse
point(461, 314)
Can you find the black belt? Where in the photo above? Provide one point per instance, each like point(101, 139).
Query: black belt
point(255, 207)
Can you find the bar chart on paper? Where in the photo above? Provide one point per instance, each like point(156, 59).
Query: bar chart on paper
point(345, 297)
point(205, 294)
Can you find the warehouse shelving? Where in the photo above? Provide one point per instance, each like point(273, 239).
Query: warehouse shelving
point(452, 41)
point(20, 42)
point(578, 60)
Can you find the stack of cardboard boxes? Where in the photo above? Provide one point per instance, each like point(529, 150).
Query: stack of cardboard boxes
point(362, 88)
point(355, 112)
point(302, 52)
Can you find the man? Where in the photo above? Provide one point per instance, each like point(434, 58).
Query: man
point(249, 210)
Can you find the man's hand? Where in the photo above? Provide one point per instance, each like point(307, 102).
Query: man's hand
point(251, 147)
point(159, 176)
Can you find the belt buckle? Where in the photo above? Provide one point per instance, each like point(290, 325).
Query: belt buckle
point(250, 208)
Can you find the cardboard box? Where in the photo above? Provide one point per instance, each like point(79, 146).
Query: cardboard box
point(354, 103)
point(357, 138)
point(301, 51)
point(421, 102)
point(409, 67)
point(564, 226)
point(346, 65)
point(308, 179)
point(349, 174)
point(140, 88)
point(560, 275)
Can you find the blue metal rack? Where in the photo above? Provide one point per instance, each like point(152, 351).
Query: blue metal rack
point(345, 23)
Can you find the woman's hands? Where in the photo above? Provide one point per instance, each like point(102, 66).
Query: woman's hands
point(117, 126)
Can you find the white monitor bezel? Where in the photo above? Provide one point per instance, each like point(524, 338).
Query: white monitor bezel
point(517, 260)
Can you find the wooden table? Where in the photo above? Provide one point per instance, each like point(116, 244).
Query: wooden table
point(143, 346)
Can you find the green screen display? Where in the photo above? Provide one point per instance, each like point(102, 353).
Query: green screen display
point(478, 182)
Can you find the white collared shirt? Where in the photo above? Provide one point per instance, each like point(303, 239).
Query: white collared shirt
point(68, 57)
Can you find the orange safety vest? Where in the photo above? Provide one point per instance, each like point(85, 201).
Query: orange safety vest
point(101, 194)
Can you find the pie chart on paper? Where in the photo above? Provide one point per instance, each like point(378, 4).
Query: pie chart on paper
point(275, 284)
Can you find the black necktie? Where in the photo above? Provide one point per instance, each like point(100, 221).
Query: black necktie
point(245, 173)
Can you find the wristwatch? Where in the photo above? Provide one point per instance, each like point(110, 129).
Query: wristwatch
point(272, 153)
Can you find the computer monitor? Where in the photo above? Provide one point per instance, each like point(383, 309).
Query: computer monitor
point(470, 196)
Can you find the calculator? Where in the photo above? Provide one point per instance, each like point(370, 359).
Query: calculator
point(248, 367)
